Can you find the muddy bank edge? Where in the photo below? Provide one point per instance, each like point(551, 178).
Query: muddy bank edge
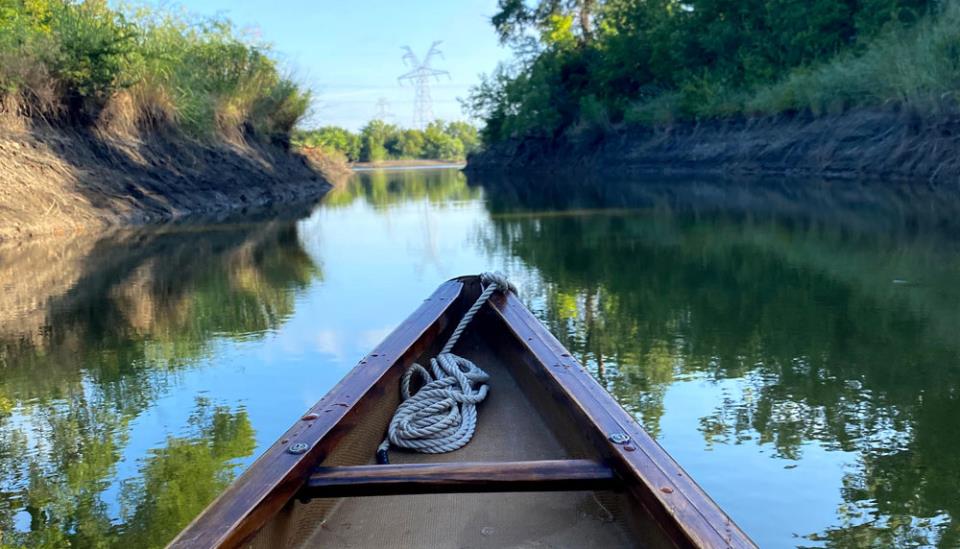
point(62, 179)
point(884, 144)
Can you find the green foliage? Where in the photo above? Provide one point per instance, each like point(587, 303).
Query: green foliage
point(649, 296)
point(119, 347)
point(379, 141)
point(180, 479)
point(199, 74)
point(386, 189)
point(583, 67)
point(330, 138)
point(466, 133)
point(556, 21)
point(96, 44)
point(594, 120)
point(919, 66)
point(440, 144)
point(412, 144)
point(373, 140)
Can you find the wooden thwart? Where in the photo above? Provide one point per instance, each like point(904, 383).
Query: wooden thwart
point(342, 430)
point(433, 478)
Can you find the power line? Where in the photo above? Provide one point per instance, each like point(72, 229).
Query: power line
point(420, 78)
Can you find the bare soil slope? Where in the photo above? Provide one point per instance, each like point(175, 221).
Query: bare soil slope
point(886, 144)
point(57, 179)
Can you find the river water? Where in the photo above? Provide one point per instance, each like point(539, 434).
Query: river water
point(795, 347)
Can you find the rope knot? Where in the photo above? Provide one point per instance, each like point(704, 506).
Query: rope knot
point(499, 279)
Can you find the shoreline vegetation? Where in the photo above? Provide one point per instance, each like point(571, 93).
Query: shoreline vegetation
point(407, 163)
point(86, 63)
point(117, 116)
point(382, 143)
point(850, 89)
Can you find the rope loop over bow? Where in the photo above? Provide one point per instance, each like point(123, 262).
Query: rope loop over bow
point(442, 415)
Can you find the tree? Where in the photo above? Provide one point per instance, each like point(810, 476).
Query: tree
point(627, 60)
point(515, 19)
point(373, 139)
point(466, 133)
point(412, 144)
point(441, 145)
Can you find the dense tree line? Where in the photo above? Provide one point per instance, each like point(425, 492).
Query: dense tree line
point(583, 65)
point(378, 141)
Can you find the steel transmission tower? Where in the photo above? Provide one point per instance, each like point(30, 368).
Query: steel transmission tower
point(383, 109)
point(420, 76)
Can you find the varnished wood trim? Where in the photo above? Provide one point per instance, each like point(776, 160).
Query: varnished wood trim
point(684, 510)
point(278, 474)
point(435, 478)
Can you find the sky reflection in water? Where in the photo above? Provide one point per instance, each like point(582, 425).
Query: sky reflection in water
point(795, 349)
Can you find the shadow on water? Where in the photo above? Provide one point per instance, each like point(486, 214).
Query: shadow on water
point(92, 332)
point(826, 314)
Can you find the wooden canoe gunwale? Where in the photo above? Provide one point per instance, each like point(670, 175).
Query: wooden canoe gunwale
point(685, 514)
point(276, 476)
point(680, 506)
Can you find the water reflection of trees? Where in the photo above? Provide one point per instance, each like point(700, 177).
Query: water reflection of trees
point(99, 339)
point(183, 476)
point(384, 188)
point(798, 311)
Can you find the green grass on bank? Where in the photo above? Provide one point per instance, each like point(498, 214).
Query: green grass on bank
point(917, 67)
point(85, 61)
point(583, 68)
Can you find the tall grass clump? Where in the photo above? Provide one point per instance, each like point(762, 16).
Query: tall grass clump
point(61, 55)
point(83, 60)
point(918, 66)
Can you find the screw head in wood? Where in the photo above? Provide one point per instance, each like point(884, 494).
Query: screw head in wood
point(619, 438)
point(298, 448)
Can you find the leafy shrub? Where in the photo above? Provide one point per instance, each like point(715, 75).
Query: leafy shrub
point(331, 138)
point(918, 66)
point(594, 120)
point(95, 46)
point(196, 74)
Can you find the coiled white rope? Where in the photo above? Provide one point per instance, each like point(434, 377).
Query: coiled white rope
point(442, 415)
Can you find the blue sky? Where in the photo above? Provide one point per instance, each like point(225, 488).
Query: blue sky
point(348, 52)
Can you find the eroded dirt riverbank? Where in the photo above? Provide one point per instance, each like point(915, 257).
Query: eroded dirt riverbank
point(56, 180)
point(887, 144)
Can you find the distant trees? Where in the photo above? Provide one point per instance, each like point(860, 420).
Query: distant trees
point(412, 144)
point(378, 141)
point(373, 140)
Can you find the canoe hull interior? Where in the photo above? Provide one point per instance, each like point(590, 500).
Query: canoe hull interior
point(543, 407)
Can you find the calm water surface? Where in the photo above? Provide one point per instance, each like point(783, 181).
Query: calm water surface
point(796, 349)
